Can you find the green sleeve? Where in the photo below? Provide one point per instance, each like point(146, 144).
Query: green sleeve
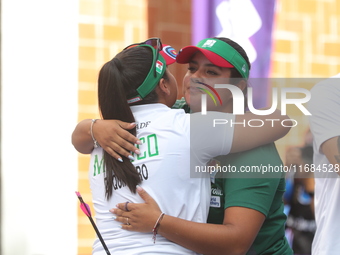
point(256, 193)
point(181, 104)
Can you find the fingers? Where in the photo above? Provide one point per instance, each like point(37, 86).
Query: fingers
point(126, 206)
point(124, 219)
point(116, 151)
point(122, 207)
point(129, 224)
point(127, 135)
point(144, 195)
point(127, 227)
point(126, 222)
point(117, 211)
point(121, 146)
point(126, 125)
point(114, 138)
point(113, 154)
point(142, 216)
point(129, 206)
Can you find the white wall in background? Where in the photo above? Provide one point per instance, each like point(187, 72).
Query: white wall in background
point(38, 113)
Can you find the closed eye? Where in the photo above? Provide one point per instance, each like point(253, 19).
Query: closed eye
point(212, 73)
point(192, 69)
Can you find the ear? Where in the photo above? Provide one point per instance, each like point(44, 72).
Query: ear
point(164, 86)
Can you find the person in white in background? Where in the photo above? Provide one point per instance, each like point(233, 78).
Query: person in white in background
point(325, 127)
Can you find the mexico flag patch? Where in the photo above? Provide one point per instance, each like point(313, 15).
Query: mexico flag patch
point(159, 67)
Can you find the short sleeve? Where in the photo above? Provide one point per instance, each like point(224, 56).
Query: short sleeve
point(211, 135)
point(256, 193)
point(253, 193)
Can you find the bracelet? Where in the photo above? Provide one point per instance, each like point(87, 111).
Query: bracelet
point(155, 228)
point(95, 143)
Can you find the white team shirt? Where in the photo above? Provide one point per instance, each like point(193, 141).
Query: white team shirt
point(174, 144)
point(325, 124)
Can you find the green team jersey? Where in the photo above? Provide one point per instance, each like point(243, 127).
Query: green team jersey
point(261, 194)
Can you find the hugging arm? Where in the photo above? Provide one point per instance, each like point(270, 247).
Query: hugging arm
point(254, 130)
point(81, 137)
point(234, 236)
point(111, 135)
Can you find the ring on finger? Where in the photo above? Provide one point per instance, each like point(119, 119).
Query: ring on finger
point(126, 206)
point(127, 221)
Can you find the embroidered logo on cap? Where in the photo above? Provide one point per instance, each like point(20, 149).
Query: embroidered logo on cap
point(244, 68)
point(159, 67)
point(169, 51)
point(208, 43)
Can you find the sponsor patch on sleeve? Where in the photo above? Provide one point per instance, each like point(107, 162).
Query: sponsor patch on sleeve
point(215, 201)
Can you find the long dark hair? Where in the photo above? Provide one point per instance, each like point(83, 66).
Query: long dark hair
point(119, 78)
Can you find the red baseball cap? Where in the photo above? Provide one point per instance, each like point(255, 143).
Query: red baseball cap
point(218, 52)
point(186, 54)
